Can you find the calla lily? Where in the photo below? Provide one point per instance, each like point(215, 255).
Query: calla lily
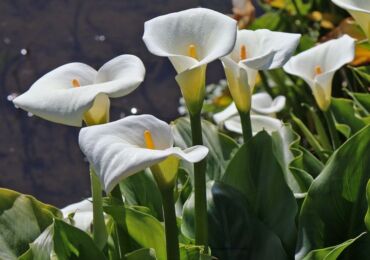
point(360, 10)
point(81, 213)
point(253, 51)
point(191, 39)
point(262, 104)
point(124, 147)
point(318, 65)
point(258, 122)
point(75, 92)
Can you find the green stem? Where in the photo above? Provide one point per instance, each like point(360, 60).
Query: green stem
point(100, 234)
point(245, 120)
point(332, 130)
point(172, 240)
point(120, 232)
point(200, 203)
point(324, 139)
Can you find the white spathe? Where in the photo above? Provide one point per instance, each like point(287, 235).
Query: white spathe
point(54, 98)
point(258, 122)
point(329, 57)
point(211, 35)
point(360, 10)
point(118, 150)
point(82, 213)
point(262, 104)
point(263, 50)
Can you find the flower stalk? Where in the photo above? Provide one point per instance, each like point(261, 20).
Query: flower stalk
point(200, 203)
point(165, 174)
point(245, 120)
point(100, 234)
point(172, 241)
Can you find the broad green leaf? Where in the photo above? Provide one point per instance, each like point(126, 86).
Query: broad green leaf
point(42, 247)
point(287, 151)
point(140, 189)
point(331, 253)
point(22, 220)
point(257, 174)
point(367, 217)
point(141, 254)
point(308, 162)
point(345, 114)
point(234, 232)
point(63, 241)
point(335, 206)
point(221, 147)
point(146, 230)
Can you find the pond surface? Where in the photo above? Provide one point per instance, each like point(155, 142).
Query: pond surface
point(42, 158)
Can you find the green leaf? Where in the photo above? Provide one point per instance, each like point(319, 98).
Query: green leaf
point(345, 114)
point(310, 137)
point(331, 253)
point(288, 153)
point(363, 100)
point(257, 174)
point(307, 162)
point(141, 189)
point(269, 20)
point(334, 208)
point(304, 6)
point(146, 230)
point(64, 242)
point(141, 254)
point(221, 147)
point(367, 217)
point(22, 220)
point(183, 188)
point(363, 73)
point(234, 231)
point(306, 43)
point(42, 247)
point(193, 252)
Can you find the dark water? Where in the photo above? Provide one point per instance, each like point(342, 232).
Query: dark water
point(42, 158)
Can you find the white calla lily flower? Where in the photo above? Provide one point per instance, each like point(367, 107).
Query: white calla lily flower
point(254, 51)
point(81, 213)
point(75, 92)
point(258, 122)
point(122, 148)
point(318, 65)
point(360, 10)
point(228, 112)
point(191, 39)
point(262, 104)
